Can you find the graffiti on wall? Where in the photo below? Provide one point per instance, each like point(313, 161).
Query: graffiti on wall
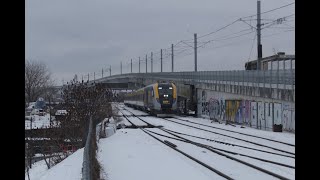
point(247, 112)
point(268, 114)
point(261, 114)
point(214, 108)
point(277, 113)
point(254, 114)
point(204, 105)
point(234, 111)
point(287, 120)
point(237, 111)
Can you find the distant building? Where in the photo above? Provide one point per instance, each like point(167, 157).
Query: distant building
point(266, 61)
point(40, 104)
point(61, 112)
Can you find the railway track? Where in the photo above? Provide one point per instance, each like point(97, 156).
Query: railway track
point(240, 139)
point(179, 138)
point(172, 146)
point(229, 144)
point(215, 150)
point(236, 132)
point(246, 147)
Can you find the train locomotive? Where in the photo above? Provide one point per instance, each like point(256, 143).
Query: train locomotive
point(159, 99)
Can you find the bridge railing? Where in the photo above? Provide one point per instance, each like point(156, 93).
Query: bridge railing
point(286, 76)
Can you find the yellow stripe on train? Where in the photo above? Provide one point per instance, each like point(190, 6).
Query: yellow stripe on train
point(174, 91)
point(156, 91)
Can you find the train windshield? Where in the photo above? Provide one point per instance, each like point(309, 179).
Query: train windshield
point(165, 89)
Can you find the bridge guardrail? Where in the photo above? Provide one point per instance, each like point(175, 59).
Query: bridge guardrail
point(286, 76)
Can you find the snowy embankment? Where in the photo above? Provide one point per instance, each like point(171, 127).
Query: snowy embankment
point(69, 168)
point(138, 149)
point(131, 154)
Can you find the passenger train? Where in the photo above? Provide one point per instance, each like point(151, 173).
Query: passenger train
point(159, 99)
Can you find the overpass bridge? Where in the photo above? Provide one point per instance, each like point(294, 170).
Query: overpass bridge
point(257, 98)
point(275, 84)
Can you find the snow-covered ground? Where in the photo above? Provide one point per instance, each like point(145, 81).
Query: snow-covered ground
point(236, 170)
point(279, 136)
point(39, 121)
point(133, 154)
point(134, 120)
point(216, 135)
point(69, 168)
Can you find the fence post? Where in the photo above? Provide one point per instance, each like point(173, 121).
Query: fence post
point(86, 164)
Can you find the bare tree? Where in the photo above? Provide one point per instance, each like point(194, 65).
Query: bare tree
point(49, 94)
point(37, 79)
point(82, 101)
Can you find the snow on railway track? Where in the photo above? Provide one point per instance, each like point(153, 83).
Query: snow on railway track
point(283, 170)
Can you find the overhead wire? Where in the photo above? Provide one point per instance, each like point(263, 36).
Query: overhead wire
point(254, 38)
point(182, 46)
point(218, 29)
point(217, 39)
point(270, 10)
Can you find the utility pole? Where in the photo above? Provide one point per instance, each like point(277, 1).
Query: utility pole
point(94, 76)
point(195, 52)
point(110, 70)
point(171, 57)
point(161, 58)
point(151, 63)
point(259, 35)
point(139, 64)
point(88, 77)
point(102, 72)
point(120, 67)
point(146, 63)
point(131, 65)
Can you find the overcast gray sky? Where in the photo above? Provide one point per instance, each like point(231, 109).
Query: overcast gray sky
point(84, 36)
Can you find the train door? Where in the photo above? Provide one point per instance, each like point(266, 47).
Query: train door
point(152, 97)
point(150, 104)
point(145, 97)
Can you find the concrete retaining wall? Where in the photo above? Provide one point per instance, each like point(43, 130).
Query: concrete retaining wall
point(257, 112)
